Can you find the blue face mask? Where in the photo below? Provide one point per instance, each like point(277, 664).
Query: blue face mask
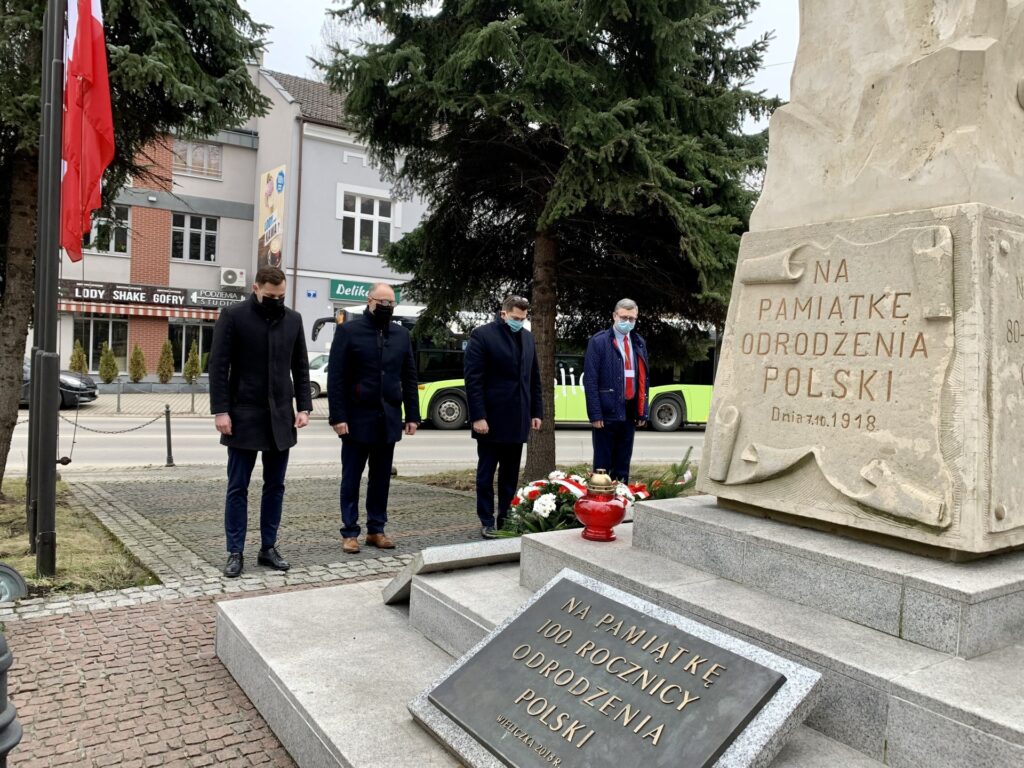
point(514, 325)
point(624, 326)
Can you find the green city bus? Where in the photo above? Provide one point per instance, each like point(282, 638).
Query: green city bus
point(443, 393)
point(442, 389)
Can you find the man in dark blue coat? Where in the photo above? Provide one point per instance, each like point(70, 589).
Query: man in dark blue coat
point(371, 375)
point(258, 366)
point(616, 384)
point(504, 393)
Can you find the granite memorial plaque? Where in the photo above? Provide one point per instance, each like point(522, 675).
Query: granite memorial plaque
point(588, 676)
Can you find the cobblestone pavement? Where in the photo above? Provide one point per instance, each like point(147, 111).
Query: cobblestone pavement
point(130, 677)
point(191, 512)
point(132, 687)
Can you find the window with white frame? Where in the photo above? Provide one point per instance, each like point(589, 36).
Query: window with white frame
point(109, 235)
point(198, 158)
point(93, 330)
point(194, 238)
point(365, 223)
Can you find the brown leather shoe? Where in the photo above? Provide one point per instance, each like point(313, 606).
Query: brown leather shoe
point(350, 546)
point(379, 540)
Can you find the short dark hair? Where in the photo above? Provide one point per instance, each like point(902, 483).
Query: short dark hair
point(514, 302)
point(272, 275)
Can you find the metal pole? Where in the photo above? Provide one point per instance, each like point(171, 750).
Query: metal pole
point(10, 728)
point(120, 386)
point(42, 226)
point(167, 421)
point(46, 439)
point(43, 422)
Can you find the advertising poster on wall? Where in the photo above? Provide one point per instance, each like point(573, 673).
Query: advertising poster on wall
point(270, 225)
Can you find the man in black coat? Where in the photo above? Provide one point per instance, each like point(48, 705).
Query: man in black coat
point(504, 393)
point(371, 375)
point(258, 366)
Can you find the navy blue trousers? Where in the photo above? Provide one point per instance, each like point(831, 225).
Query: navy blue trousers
point(505, 458)
point(613, 448)
point(236, 507)
point(354, 458)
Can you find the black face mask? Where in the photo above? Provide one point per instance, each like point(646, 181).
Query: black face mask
point(382, 315)
point(272, 306)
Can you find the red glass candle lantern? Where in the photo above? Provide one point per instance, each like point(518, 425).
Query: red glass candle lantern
point(599, 509)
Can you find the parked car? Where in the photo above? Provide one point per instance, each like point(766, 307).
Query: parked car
point(317, 374)
point(75, 388)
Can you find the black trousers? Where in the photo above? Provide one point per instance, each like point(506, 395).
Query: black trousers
point(354, 457)
point(504, 457)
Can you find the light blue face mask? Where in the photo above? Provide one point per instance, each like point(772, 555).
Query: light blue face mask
point(514, 325)
point(624, 326)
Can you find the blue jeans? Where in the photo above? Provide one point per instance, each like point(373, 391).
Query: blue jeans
point(236, 508)
point(504, 457)
point(354, 457)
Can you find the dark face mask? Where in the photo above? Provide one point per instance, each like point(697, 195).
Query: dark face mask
point(272, 303)
point(383, 314)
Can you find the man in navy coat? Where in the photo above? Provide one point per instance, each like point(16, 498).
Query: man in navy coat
point(616, 384)
point(371, 376)
point(504, 393)
point(258, 367)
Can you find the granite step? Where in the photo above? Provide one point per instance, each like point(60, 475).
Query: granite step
point(965, 609)
point(332, 669)
point(893, 700)
point(457, 609)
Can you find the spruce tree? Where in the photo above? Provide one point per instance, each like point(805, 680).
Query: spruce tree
point(137, 365)
point(108, 364)
point(178, 66)
point(576, 153)
point(78, 362)
point(165, 365)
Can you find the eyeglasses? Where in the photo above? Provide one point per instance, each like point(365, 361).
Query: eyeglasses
point(384, 302)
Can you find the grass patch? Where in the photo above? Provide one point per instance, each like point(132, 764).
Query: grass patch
point(89, 559)
point(465, 479)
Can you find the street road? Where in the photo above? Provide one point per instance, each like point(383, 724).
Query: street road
point(194, 441)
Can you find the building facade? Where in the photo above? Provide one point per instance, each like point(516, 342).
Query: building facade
point(292, 188)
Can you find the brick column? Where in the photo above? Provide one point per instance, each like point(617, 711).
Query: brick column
point(151, 253)
point(149, 333)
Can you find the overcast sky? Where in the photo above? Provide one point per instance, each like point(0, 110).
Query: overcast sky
point(294, 34)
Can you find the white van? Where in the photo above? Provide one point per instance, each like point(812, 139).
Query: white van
point(317, 374)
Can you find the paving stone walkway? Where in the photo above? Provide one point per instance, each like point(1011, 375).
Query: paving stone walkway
point(130, 677)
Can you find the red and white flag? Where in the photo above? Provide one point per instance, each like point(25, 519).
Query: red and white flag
point(88, 145)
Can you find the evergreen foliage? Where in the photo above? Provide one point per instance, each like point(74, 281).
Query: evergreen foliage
point(192, 370)
point(165, 365)
point(78, 362)
point(108, 365)
point(574, 152)
point(137, 365)
point(176, 67)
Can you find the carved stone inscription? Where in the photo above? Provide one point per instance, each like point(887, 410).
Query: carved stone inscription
point(1006, 265)
point(838, 352)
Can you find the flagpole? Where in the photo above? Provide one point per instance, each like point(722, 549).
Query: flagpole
point(45, 396)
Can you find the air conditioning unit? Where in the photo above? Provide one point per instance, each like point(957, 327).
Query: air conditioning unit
point(232, 278)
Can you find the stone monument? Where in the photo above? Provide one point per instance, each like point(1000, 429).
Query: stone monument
point(872, 372)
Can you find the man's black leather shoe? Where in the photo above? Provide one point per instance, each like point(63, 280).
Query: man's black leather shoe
point(487, 532)
point(271, 557)
point(234, 567)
